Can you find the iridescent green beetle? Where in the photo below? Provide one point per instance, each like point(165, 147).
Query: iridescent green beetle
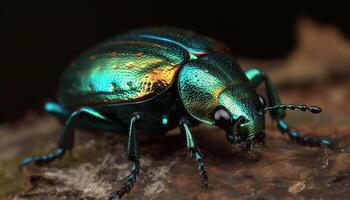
point(155, 79)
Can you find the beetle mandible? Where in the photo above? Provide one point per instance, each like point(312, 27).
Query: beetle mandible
point(155, 79)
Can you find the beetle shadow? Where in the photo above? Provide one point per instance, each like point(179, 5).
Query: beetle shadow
point(161, 147)
point(211, 141)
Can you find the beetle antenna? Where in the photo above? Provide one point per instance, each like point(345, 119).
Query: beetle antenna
point(292, 106)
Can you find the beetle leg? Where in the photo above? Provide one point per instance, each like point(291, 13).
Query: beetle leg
point(56, 109)
point(66, 139)
point(256, 77)
point(133, 155)
point(308, 140)
point(193, 148)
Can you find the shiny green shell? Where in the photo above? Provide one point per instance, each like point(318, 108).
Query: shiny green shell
point(216, 80)
point(132, 67)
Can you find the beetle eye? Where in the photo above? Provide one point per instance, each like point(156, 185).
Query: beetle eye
point(222, 118)
point(263, 101)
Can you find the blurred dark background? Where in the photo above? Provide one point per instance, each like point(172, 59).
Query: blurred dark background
point(39, 40)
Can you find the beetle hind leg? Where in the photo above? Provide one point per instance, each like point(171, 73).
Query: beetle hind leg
point(66, 139)
point(56, 109)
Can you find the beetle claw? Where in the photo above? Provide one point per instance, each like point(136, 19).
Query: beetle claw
point(131, 180)
point(114, 195)
point(204, 176)
point(203, 173)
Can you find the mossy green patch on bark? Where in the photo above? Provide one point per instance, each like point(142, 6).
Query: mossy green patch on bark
point(14, 180)
point(11, 178)
point(78, 155)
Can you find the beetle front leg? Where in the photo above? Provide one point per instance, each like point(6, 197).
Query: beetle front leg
point(66, 139)
point(256, 77)
point(194, 149)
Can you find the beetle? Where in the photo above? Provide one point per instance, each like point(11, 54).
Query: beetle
point(155, 79)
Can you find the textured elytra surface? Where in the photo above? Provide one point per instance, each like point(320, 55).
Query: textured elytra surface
point(125, 71)
point(131, 67)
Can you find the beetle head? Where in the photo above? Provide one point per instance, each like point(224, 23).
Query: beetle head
point(240, 113)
